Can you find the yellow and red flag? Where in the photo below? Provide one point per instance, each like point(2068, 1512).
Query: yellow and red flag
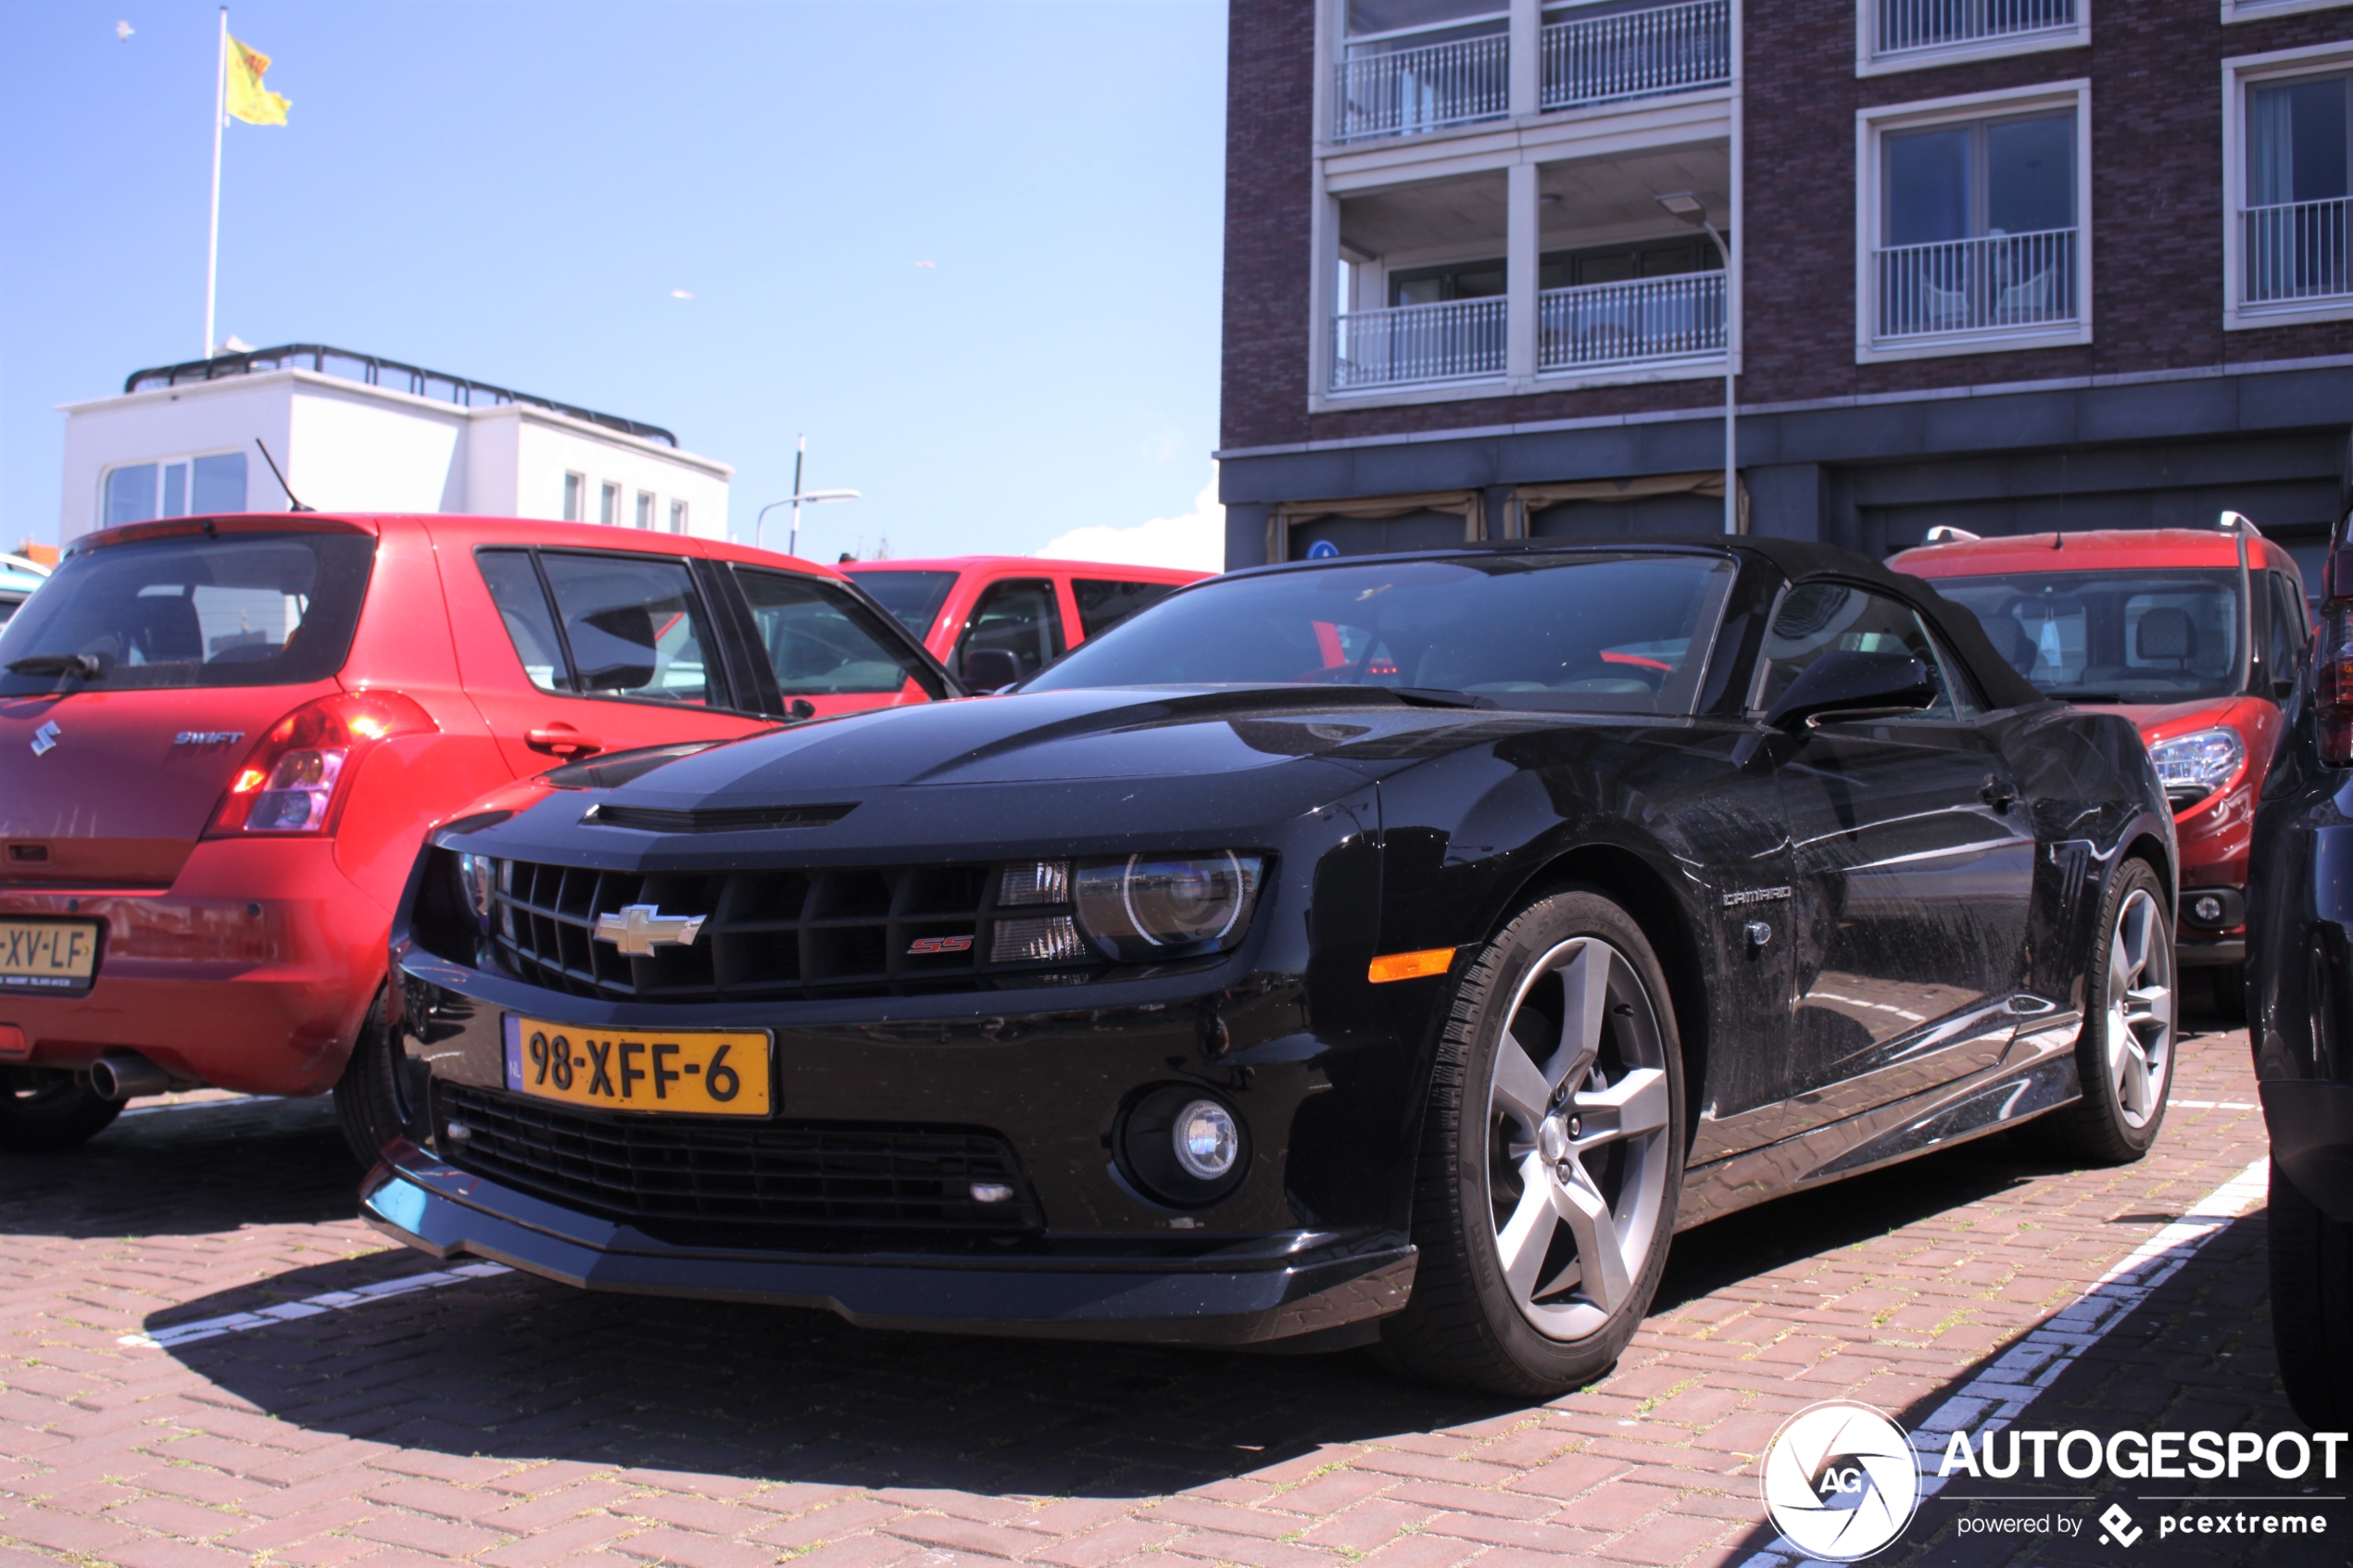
point(248, 99)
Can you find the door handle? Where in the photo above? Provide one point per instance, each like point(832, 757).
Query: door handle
point(561, 740)
point(1996, 794)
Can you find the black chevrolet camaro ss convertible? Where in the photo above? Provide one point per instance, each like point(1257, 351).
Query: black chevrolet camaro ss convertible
point(1391, 950)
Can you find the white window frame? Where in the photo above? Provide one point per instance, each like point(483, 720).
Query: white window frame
point(680, 516)
point(1868, 61)
point(2238, 74)
point(160, 464)
point(2256, 11)
point(576, 498)
point(1871, 126)
point(649, 511)
point(610, 493)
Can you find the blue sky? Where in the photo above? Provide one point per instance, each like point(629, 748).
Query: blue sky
point(513, 192)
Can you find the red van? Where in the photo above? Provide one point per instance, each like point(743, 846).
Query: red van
point(2196, 635)
point(222, 740)
point(1030, 609)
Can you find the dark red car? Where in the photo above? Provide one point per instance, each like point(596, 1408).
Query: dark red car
point(2194, 634)
point(222, 740)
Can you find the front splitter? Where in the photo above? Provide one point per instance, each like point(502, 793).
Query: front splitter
point(435, 1208)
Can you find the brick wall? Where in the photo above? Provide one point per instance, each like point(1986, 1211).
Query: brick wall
point(2157, 204)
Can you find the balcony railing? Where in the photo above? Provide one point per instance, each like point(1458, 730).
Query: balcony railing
point(1633, 53)
point(1996, 283)
point(1402, 91)
point(1413, 344)
point(1942, 24)
point(1657, 318)
point(2297, 251)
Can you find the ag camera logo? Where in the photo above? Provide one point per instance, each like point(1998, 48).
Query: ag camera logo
point(1841, 1481)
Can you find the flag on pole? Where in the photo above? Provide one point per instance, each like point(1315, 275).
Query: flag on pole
point(248, 99)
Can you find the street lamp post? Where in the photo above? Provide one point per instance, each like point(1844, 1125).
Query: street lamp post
point(1693, 210)
point(792, 545)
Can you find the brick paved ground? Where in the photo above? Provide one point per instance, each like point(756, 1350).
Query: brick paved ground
point(503, 1420)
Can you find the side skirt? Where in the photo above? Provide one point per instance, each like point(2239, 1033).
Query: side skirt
point(2036, 1075)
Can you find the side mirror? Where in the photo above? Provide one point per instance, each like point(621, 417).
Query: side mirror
point(986, 669)
point(1846, 685)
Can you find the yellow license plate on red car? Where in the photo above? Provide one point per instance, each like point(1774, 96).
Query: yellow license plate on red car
point(48, 955)
point(686, 1071)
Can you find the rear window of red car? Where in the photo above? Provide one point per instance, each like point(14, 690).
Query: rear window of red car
point(238, 609)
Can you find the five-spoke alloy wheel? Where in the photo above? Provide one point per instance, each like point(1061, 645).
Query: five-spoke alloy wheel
point(1552, 1155)
point(2124, 1055)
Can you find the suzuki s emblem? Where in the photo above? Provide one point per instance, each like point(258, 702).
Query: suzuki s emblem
point(45, 739)
point(640, 928)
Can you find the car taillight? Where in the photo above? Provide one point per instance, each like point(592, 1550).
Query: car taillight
point(2333, 683)
point(293, 780)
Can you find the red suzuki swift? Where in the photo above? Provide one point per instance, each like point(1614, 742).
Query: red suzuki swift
point(2196, 637)
point(223, 739)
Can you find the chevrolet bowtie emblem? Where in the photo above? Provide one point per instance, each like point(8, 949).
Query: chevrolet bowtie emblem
point(45, 739)
point(640, 928)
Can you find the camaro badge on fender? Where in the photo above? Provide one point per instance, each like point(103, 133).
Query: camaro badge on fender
point(1754, 895)
point(640, 928)
point(45, 739)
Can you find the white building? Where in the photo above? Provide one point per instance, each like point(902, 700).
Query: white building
point(358, 434)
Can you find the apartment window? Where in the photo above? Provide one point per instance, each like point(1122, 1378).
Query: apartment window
point(609, 505)
point(1412, 66)
point(645, 510)
point(184, 486)
point(2255, 10)
point(679, 517)
point(1971, 233)
point(576, 498)
point(2288, 171)
point(1430, 285)
point(1910, 34)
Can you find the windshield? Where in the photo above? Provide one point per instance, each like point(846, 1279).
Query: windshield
point(1578, 632)
point(912, 597)
point(2112, 636)
point(239, 610)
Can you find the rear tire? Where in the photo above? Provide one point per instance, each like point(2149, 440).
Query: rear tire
point(1552, 1158)
point(2311, 1306)
point(44, 1109)
point(369, 1103)
point(2124, 1053)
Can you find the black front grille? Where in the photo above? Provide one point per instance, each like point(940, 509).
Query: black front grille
point(705, 1179)
point(782, 934)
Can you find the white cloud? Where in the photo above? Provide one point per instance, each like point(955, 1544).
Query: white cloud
point(1196, 540)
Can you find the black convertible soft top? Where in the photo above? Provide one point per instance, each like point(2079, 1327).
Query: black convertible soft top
point(1795, 560)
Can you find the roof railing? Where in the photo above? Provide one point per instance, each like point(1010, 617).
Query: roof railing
point(370, 371)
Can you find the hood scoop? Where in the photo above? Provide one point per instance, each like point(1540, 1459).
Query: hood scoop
point(715, 819)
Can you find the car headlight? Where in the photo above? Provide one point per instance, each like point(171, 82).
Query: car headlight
point(2194, 766)
point(1147, 908)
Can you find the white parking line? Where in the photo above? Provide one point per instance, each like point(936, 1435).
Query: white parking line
point(2214, 1104)
point(308, 1307)
point(2000, 1393)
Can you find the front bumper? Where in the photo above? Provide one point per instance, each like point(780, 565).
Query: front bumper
point(1266, 1290)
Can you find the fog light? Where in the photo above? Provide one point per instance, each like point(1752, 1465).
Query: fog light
point(2207, 908)
point(991, 1192)
point(1207, 1141)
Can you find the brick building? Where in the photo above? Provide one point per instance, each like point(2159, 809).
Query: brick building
point(2009, 265)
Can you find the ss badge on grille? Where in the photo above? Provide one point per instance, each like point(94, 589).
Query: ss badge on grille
point(640, 928)
point(927, 945)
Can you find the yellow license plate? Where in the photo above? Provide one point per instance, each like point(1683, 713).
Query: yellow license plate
point(48, 955)
point(691, 1071)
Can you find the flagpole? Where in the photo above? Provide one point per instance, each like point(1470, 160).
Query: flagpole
point(212, 246)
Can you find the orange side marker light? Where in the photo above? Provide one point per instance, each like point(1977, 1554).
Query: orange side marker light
point(1410, 966)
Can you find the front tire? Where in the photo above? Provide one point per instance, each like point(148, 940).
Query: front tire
point(2311, 1306)
point(368, 1104)
point(44, 1109)
point(2124, 1055)
point(1551, 1157)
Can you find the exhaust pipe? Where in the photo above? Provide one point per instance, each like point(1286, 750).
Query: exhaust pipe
point(120, 1077)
